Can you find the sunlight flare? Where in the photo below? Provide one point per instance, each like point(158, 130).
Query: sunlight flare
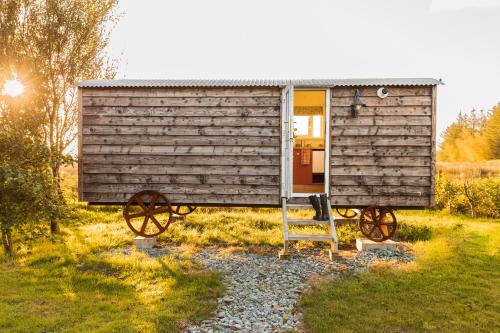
point(13, 88)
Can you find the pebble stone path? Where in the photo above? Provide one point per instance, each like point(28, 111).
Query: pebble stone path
point(262, 291)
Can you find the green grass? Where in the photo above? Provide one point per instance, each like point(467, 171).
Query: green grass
point(76, 282)
point(454, 286)
point(72, 284)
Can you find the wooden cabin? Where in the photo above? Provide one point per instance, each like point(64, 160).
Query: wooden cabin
point(256, 142)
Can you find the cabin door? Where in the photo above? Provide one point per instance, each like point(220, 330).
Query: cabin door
point(310, 144)
point(286, 141)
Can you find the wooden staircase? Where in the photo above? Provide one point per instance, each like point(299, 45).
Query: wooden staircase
point(300, 203)
point(330, 237)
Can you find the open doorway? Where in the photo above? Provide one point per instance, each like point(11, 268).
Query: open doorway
point(309, 133)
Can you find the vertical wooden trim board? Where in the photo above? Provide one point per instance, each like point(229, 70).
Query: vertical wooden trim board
point(80, 143)
point(328, 141)
point(432, 202)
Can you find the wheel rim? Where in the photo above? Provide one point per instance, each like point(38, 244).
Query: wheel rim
point(377, 223)
point(184, 210)
point(148, 213)
point(346, 212)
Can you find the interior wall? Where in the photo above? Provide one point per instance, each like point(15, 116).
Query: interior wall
point(309, 98)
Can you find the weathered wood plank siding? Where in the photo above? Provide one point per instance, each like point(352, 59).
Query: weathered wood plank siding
point(195, 145)
point(385, 155)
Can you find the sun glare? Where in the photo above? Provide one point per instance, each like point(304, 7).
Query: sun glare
point(13, 88)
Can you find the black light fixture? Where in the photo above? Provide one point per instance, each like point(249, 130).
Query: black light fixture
point(357, 104)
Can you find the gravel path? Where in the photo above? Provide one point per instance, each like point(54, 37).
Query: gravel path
point(262, 291)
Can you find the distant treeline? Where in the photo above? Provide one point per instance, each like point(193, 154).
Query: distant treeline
point(474, 136)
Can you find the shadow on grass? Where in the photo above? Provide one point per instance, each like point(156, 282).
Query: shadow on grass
point(59, 288)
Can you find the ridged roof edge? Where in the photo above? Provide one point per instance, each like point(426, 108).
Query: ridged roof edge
point(125, 83)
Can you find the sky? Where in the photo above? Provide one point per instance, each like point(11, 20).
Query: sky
point(455, 40)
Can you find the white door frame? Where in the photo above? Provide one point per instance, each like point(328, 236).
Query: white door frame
point(286, 141)
point(327, 144)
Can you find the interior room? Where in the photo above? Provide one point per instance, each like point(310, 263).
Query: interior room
point(309, 141)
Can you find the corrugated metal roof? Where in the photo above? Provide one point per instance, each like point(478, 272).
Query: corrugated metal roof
point(256, 83)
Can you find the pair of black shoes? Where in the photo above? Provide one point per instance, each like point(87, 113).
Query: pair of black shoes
point(320, 205)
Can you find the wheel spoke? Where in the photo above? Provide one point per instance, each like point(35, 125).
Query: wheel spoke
point(144, 224)
point(152, 201)
point(141, 203)
point(346, 212)
point(373, 214)
point(383, 230)
point(372, 229)
point(368, 217)
point(155, 221)
point(377, 223)
point(141, 214)
point(388, 223)
point(183, 210)
point(382, 215)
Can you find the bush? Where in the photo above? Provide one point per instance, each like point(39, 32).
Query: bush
point(479, 197)
point(412, 233)
point(28, 192)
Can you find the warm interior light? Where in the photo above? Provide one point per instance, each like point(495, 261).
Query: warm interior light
point(13, 88)
point(301, 125)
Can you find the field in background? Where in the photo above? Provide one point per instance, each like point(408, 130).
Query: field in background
point(462, 170)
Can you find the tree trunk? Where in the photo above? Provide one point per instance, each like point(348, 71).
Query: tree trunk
point(7, 241)
point(470, 197)
point(54, 224)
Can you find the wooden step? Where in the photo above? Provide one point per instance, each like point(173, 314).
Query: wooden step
point(310, 237)
point(298, 201)
point(299, 206)
point(307, 221)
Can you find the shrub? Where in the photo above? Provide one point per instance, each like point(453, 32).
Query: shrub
point(28, 194)
point(477, 197)
point(412, 233)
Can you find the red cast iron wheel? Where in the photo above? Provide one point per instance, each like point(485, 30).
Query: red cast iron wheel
point(378, 223)
point(184, 210)
point(148, 213)
point(346, 212)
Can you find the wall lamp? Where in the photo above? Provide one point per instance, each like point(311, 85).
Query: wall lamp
point(357, 104)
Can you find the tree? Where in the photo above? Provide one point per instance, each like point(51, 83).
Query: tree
point(53, 44)
point(492, 133)
point(464, 140)
point(28, 191)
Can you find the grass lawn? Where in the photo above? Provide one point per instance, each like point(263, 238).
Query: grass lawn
point(454, 286)
point(72, 283)
point(77, 283)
